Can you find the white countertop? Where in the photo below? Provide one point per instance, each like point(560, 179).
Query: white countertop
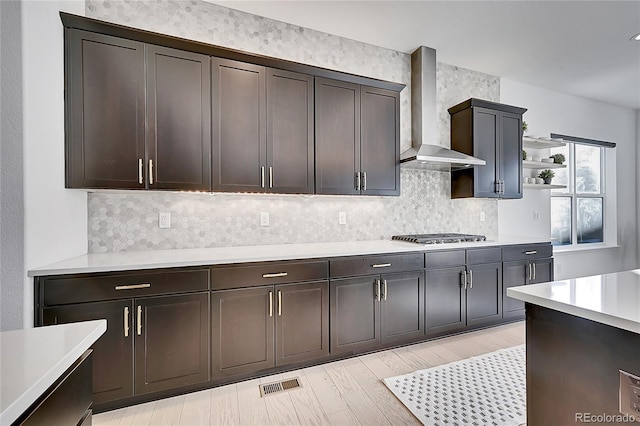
point(611, 299)
point(32, 359)
point(132, 260)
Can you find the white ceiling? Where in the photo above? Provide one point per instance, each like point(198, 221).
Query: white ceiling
point(577, 47)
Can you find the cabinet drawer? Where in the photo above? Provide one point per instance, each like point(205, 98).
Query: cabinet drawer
point(444, 259)
point(366, 265)
point(254, 274)
point(484, 255)
point(527, 251)
point(90, 288)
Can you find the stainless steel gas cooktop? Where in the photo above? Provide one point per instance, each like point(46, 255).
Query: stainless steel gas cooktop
point(438, 238)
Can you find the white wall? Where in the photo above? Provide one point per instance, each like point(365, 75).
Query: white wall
point(55, 218)
point(551, 111)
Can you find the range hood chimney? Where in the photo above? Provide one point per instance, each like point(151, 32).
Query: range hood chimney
point(424, 154)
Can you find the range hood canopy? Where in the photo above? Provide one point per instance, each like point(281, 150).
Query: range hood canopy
point(424, 154)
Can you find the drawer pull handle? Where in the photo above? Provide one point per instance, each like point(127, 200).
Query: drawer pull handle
point(279, 303)
point(150, 172)
point(470, 278)
point(132, 286)
point(270, 304)
point(531, 252)
point(534, 270)
point(126, 321)
point(140, 176)
point(275, 275)
point(463, 278)
point(139, 320)
point(384, 283)
point(381, 265)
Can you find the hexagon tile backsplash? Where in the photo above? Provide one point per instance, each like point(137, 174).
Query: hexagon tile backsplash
point(129, 220)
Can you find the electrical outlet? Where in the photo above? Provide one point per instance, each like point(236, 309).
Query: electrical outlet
point(164, 220)
point(536, 216)
point(342, 218)
point(264, 218)
point(483, 217)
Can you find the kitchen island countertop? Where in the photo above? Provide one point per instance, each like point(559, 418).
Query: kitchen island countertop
point(135, 260)
point(610, 299)
point(33, 359)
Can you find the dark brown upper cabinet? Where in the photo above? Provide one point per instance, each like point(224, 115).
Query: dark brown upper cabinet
point(138, 115)
point(357, 139)
point(105, 110)
point(178, 120)
point(492, 132)
point(262, 129)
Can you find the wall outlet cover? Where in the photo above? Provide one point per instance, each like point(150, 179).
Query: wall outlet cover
point(264, 218)
point(342, 218)
point(164, 220)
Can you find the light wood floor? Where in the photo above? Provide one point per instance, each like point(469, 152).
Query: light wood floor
point(348, 392)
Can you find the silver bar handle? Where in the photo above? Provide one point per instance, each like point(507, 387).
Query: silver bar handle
point(139, 320)
point(384, 282)
point(270, 304)
point(502, 186)
point(150, 172)
point(126, 321)
point(132, 286)
point(270, 177)
point(496, 186)
point(381, 265)
point(530, 273)
point(530, 252)
point(470, 278)
point(279, 303)
point(357, 181)
point(534, 270)
point(275, 275)
point(463, 276)
point(140, 174)
point(262, 176)
point(364, 181)
point(378, 290)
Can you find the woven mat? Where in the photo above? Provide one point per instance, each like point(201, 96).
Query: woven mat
point(483, 390)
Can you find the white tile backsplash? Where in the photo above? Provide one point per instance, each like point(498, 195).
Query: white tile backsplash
point(129, 220)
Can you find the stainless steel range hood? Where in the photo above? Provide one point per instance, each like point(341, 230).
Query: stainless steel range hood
point(424, 154)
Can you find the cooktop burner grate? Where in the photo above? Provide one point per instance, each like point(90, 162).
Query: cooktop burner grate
point(438, 238)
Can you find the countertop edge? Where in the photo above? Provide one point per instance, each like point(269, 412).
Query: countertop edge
point(174, 258)
point(14, 410)
point(599, 317)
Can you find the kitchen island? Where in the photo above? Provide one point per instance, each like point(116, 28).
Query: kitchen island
point(583, 349)
point(46, 373)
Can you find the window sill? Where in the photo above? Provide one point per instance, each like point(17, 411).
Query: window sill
point(583, 248)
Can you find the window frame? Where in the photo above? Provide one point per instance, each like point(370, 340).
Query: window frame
point(570, 192)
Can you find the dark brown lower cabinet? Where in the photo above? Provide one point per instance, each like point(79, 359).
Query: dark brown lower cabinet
point(112, 352)
point(167, 336)
point(463, 296)
point(523, 272)
point(262, 327)
point(371, 310)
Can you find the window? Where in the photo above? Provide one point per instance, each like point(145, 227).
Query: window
point(577, 212)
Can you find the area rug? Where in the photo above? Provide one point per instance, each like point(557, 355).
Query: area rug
point(488, 389)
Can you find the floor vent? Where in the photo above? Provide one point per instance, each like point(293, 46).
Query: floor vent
point(281, 386)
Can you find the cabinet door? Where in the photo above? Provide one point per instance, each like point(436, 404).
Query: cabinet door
point(380, 147)
point(485, 144)
point(243, 332)
point(513, 274)
point(105, 111)
point(337, 136)
point(510, 155)
point(112, 352)
point(355, 314)
point(238, 126)
point(445, 300)
point(302, 322)
point(542, 271)
point(402, 307)
point(484, 294)
point(290, 154)
point(171, 341)
point(179, 119)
